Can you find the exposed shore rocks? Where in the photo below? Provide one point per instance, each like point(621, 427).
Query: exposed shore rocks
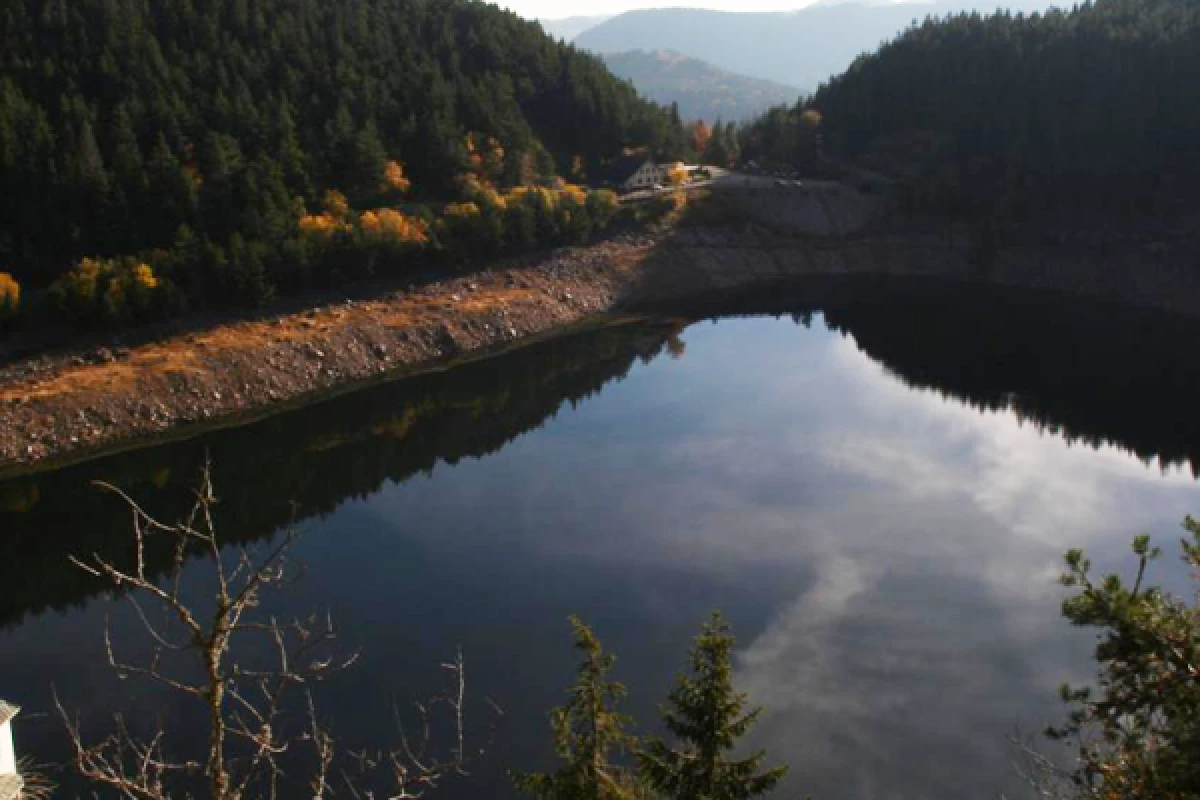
point(72, 405)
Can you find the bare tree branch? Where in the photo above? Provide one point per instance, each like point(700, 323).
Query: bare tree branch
point(245, 708)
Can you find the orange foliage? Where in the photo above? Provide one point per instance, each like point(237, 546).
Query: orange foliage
point(391, 225)
point(144, 278)
point(461, 211)
point(394, 178)
point(322, 226)
point(10, 296)
point(382, 224)
point(576, 194)
point(701, 136)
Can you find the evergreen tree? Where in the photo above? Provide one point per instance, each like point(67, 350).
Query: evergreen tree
point(707, 717)
point(719, 151)
point(809, 140)
point(121, 121)
point(1138, 734)
point(1092, 107)
point(733, 143)
point(588, 732)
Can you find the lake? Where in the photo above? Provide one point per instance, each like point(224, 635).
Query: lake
point(875, 487)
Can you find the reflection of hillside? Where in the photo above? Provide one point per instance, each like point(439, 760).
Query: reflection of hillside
point(1090, 373)
point(304, 463)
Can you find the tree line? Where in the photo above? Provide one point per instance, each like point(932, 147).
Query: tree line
point(157, 157)
point(1011, 113)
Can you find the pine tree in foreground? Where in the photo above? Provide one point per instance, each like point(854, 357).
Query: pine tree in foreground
point(708, 717)
point(588, 731)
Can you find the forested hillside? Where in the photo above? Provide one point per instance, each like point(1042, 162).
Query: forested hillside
point(1094, 105)
point(700, 90)
point(232, 148)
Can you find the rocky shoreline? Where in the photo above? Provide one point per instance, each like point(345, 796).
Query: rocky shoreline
point(76, 405)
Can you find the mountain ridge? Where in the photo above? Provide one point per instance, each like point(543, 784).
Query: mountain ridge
point(568, 28)
point(700, 90)
point(802, 48)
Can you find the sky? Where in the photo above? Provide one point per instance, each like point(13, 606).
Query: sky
point(559, 9)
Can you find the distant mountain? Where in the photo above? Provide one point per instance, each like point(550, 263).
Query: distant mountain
point(571, 27)
point(796, 48)
point(701, 90)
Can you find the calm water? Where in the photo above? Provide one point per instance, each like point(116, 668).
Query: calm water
point(876, 494)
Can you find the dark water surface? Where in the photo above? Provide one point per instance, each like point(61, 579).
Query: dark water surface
point(877, 494)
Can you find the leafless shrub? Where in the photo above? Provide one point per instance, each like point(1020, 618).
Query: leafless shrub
point(1044, 777)
point(35, 778)
point(250, 733)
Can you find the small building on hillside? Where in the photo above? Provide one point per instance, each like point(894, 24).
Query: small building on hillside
point(635, 172)
point(10, 781)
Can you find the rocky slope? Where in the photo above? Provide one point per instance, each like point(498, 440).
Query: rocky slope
point(72, 405)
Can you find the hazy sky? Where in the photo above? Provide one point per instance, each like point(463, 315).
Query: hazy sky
point(557, 9)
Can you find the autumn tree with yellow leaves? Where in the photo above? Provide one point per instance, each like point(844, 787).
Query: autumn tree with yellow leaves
point(394, 179)
point(216, 185)
point(99, 290)
point(342, 239)
point(677, 174)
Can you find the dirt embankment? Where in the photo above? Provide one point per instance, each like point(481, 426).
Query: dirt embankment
point(71, 405)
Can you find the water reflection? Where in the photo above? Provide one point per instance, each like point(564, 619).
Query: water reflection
point(308, 463)
point(1098, 374)
point(886, 551)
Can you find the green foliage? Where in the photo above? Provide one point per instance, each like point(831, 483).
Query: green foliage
point(782, 137)
point(603, 206)
point(707, 717)
point(1095, 105)
point(124, 122)
point(724, 148)
point(663, 205)
point(491, 222)
point(1139, 736)
point(588, 732)
point(106, 291)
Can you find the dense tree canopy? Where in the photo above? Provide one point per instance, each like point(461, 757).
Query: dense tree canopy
point(1093, 104)
point(207, 129)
